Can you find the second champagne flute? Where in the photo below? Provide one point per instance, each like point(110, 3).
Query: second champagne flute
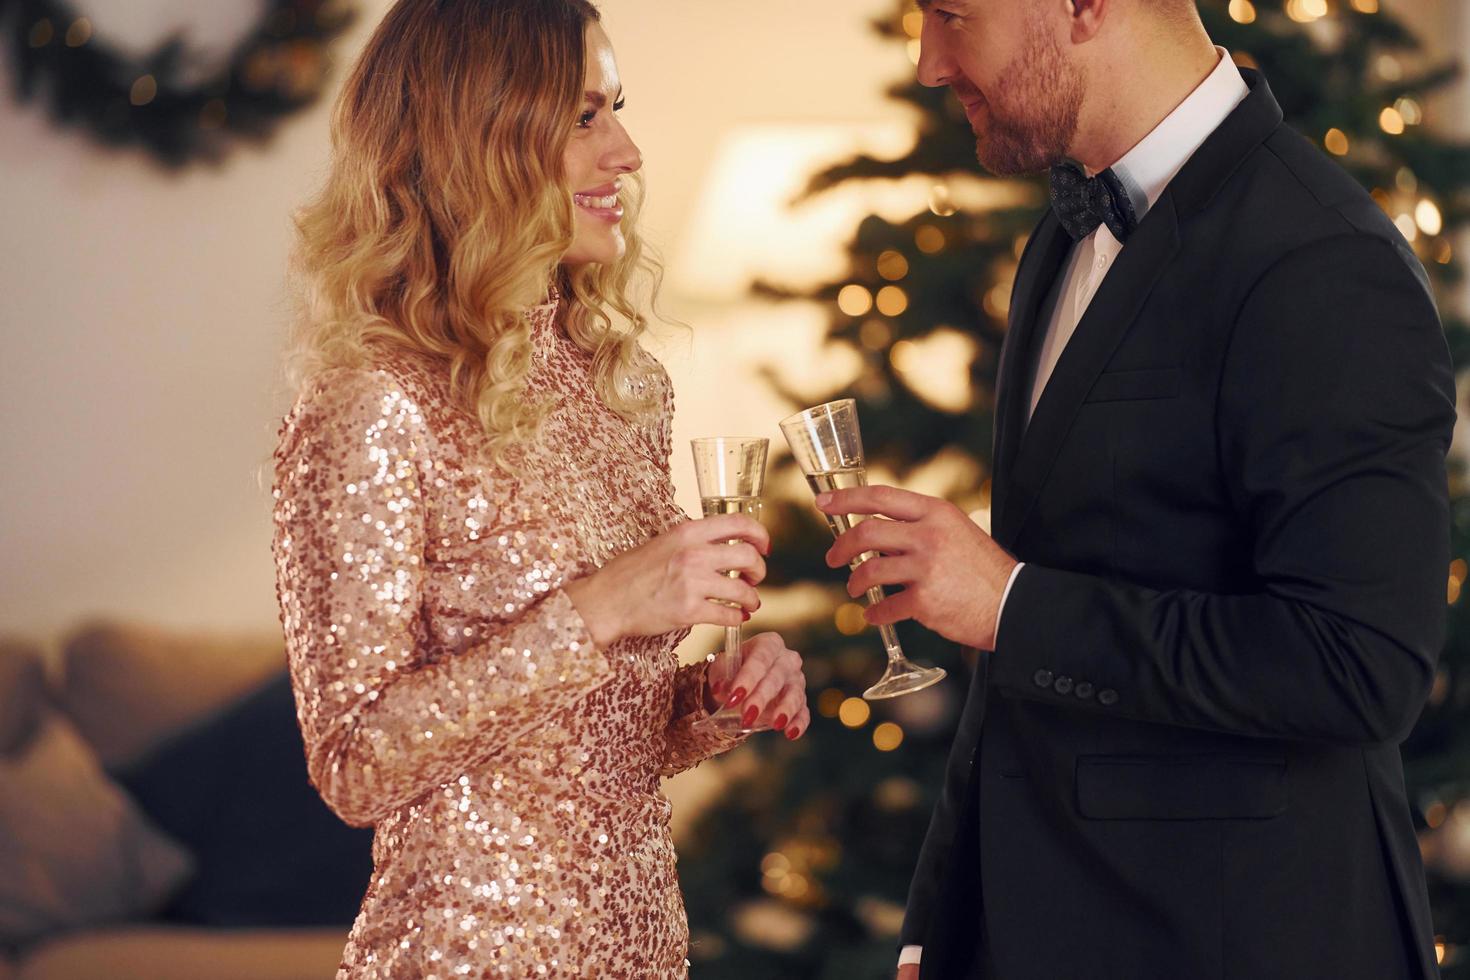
point(828, 446)
point(731, 472)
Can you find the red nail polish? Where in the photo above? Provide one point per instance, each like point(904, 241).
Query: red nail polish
point(746, 616)
point(735, 698)
point(779, 723)
point(751, 714)
point(793, 733)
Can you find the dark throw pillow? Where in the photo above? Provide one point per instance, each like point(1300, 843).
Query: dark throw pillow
point(234, 791)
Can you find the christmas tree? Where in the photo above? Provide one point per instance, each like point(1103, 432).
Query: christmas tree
point(802, 868)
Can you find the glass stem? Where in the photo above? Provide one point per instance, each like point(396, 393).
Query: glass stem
point(732, 647)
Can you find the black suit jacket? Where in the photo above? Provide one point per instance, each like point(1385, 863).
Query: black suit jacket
point(1181, 761)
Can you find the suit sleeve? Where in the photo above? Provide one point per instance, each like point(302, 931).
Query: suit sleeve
point(382, 721)
point(1335, 413)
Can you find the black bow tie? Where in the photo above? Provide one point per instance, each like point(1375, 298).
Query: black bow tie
point(1082, 202)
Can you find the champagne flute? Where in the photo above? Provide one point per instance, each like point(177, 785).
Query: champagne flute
point(828, 446)
point(731, 472)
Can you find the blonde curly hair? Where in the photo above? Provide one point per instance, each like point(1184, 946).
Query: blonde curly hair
point(445, 214)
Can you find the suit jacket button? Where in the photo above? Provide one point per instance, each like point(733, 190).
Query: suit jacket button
point(1107, 697)
point(1042, 678)
point(1084, 690)
point(1063, 685)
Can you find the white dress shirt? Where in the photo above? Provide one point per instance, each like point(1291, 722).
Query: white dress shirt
point(1145, 171)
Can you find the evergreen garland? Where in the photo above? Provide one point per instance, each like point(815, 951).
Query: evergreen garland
point(161, 101)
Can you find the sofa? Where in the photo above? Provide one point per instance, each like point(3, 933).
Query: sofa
point(155, 817)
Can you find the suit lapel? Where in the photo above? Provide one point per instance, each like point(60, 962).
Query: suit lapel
point(1040, 265)
point(1109, 315)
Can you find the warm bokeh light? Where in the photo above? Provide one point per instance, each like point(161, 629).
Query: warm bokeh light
point(929, 239)
point(1306, 11)
point(849, 619)
point(1428, 218)
point(1389, 68)
point(1410, 111)
point(144, 90)
point(41, 33)
point(1242, 11)
point(941, 202)
point(892, 265)
point(854, 300)
point(892, 301)
point(1365, 6)
point(1336, 142)
point(1407, 227)
point(913, 23)
point(887, 737)
point(854, 713)
point(79, 33)
point(1390, 121)
point(1435, 813)
point(875, 334)
point(829, 702)
point(914, 50)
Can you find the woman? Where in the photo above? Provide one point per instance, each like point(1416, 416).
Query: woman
point(482, 572)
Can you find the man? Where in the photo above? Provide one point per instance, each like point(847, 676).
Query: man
point(1224, 405)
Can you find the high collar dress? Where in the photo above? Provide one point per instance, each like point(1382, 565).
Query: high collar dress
point(448, 691)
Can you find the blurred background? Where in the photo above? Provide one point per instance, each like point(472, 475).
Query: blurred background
point(826, 233)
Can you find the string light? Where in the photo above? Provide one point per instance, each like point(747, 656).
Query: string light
point(1410, 110)
point(829, 702)
point(143, 91)
point(1405, 180)
point(1242, 11)
point(940, 202)
point(914, 50)
point(41, 33)
point(1435, 813)
point(929, 239)
point(1406, 226)
point(854, 713)
point(1428, 218)
point(79, 33)
point(1389, 68)
point(998, 300)
point(892, 265)
point(1446, 253)
point(892, 301)
point(875, 334)
point(1365, 6)
point(1336, 142)
point(1390, 121)
point(854, 300)
point(913, 23)
point(887, 737)
point(849, 619)
point(1306, 11)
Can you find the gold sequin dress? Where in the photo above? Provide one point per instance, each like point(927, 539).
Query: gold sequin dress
point(450, 695)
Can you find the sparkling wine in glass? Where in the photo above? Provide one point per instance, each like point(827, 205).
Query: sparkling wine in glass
point(731, 472)
point(828, 446)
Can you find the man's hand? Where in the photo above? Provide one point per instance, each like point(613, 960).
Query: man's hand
point(953, 575)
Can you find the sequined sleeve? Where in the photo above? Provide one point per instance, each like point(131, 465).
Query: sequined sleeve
point(687, 746)
point(383, 724)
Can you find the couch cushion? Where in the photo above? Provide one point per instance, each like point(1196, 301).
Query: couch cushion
point(22, 693)
point(235, 792)
point(152, 953)
point(129, 687)
point(74, 851)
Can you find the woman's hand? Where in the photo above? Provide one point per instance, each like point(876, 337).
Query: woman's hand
point(771, 686)
point(669, 582)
